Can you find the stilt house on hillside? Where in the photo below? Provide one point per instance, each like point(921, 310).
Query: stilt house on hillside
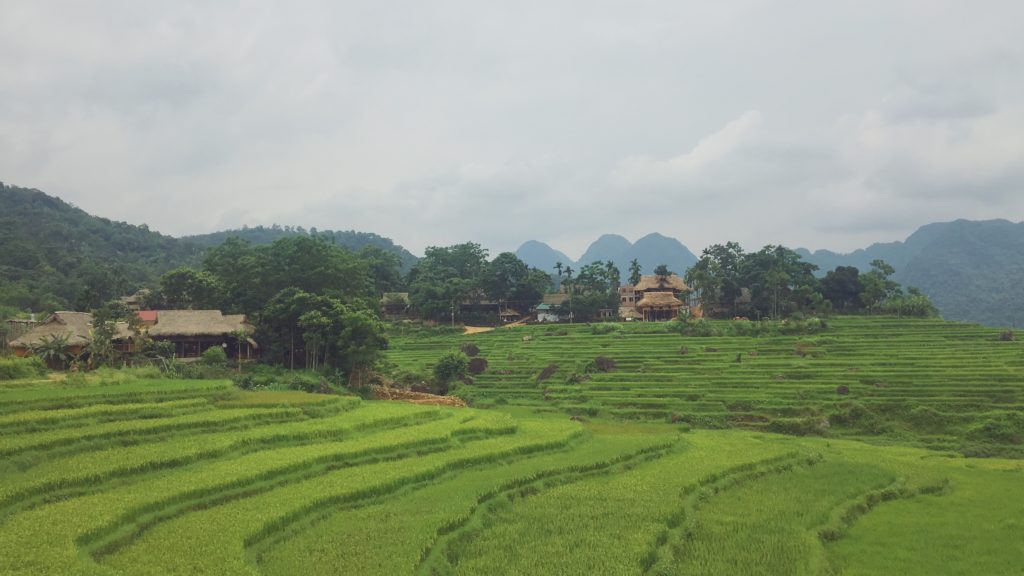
point(654, 298)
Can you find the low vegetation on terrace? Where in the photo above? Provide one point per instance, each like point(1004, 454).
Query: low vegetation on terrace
point(110, 474)
point(926, 382)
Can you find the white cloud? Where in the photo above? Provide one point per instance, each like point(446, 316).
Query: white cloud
point(808, 123)
point(644, 171)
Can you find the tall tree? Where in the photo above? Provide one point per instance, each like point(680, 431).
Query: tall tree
point(444, 277)
point(634, 271)
point(842, 287)
point(185, 288)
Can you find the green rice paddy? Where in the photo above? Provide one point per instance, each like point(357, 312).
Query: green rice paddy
point(667, 463)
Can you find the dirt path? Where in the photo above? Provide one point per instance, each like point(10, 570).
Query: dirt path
point(388, 393)
point(477, 329)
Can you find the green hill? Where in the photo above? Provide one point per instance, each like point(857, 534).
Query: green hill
point(972, 270)
point(268, 234)
point(57, 256)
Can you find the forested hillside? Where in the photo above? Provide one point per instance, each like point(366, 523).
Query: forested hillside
point(55, 255)
point(260, 235)
point(972, 270)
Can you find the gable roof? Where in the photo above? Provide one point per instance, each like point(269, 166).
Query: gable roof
point(659, 299)
point(76, 325)
point(655, 282)
point(147, 315)
point(555, 299)
point(198, 323)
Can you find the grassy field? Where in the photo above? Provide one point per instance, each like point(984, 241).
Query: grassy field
point(111, 475)
point(936, 384)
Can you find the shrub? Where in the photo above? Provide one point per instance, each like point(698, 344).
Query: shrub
point(547, 372)
point(470, 349)
point(450, 367)
point(1005, 428)
point(842, 389)
point(1006, 336)
point(477, 365)
point(14, 368)
point(603, 364)
point(698, 328)
point(215, 356)
point(605, 328)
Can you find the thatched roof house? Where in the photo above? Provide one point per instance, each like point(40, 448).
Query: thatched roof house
point(659, 306)
point(193, 323)
point(195, 331)
point(395, 303)
point(76, 326)
point(555, 299)
point(672, 283)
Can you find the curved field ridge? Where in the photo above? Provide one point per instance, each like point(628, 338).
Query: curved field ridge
point(940, 385)
point(163, 477)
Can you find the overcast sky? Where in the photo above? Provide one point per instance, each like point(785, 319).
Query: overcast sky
point(807, 123)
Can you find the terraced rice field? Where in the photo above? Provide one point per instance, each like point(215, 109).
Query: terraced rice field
point(125, 477)
point(930, 382)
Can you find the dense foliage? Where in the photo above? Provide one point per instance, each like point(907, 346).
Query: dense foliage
point(56, 256)
point(448, 281)
point(775, 282)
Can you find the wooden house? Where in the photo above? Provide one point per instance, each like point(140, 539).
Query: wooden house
point(194, 331)
point(660, 297)
point(75, 326)
point(395, 304)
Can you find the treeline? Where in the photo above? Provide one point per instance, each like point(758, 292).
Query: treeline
point(775, 282)
point(448, 281)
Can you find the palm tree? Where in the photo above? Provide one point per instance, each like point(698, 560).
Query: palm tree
point(558, 268)
point(53, 350)
point(614, 276)
point(634, 272)
point(568, 276)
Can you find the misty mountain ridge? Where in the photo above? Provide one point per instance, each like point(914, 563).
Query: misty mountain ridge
point(56, 256)
point(650, 251)
point(973, 270)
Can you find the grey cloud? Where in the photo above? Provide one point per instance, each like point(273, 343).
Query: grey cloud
point(815, 124)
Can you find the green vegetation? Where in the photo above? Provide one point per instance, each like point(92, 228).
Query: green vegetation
point(108, 473)
point(924, 382)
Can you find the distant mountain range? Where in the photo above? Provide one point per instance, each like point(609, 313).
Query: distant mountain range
point(650, 251)
point(972, 270)
point(53, 255)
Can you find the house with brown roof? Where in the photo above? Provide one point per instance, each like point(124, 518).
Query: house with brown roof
point(195, 331)
point(654, 298)
point(75, 326)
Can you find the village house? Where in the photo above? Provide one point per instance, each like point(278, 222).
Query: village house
point(395, 305)
point(654, 298)
point(76, 327)
point(191, 331)
point(195, 331)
